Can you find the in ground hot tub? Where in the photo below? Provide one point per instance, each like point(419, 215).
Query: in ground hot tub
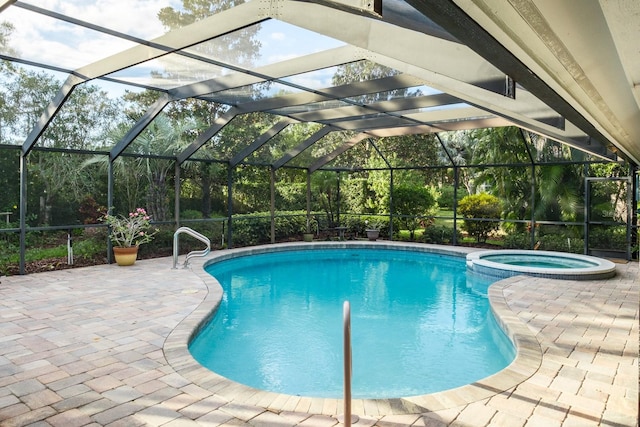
point(557, 265)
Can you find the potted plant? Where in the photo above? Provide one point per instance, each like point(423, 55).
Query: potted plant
point(373, 230)
point(308, 234)
point(127, 233)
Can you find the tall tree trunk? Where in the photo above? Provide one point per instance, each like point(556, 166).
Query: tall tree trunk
point(157, 198)
point(206, 196)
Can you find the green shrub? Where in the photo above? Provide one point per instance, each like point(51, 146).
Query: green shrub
point(608, 237)
point(445, 200)
point(560, 243)
point(412, 204)
point(517, 241)
point(191, 214)
point(255, 229)
point(439, 234)
point(89, 248)
point(480, 206)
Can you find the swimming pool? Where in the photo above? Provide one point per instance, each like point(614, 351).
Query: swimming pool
point(434, 320)
point(557, 265)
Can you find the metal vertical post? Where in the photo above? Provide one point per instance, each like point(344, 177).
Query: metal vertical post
point(533, 206)
point(229, 206)
point(587, 208)
point(390, 203)
point(308, 201)
point(109, 204)
point(456, 182)
point(272, 185)
point(176, 198)
point(338, 200)
point(23, 209)
point(630, 209)
point(634, 208)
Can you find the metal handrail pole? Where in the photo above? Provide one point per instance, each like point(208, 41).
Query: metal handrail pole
point(204, 239)
point(348, 418)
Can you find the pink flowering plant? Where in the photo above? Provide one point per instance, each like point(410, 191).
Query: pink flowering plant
point(131, 230)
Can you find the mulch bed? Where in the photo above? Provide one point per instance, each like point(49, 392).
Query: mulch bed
point(50, 265)
point(61, 263)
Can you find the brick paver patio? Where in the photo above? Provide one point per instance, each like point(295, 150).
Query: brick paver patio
point(105, 346)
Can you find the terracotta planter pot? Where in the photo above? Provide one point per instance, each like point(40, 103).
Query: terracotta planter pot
point(125, 256)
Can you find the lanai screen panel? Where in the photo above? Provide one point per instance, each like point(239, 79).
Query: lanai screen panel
point(270, 44)
point(45, 40)
point(548, 151)
point(164, 136)
point(87, 121)
point(352, 158)
point(250, 93)
point(504, 146)
point(403, 93)
point(235, 136)
point(277, 147)
point(296, 110)
point(324, 146)
point(23, 102)
point(265, 43)
point(410, 150)
point(168, 72)
point(352, 72)
point(135, 18)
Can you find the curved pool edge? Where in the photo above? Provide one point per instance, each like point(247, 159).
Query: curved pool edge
point(526, 363)
point(602, 268)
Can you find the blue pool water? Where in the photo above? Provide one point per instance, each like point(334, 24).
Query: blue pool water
point(419, 323)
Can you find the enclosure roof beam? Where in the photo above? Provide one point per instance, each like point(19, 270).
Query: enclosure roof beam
point(303, 146)
point(175, 40)
point(393, 120)
point(446, 151)
point(441, 56)
point(454, 20)
point(335, 153)
point(374, 122)
point(218, 124)
point(525, 111)
point(382, 156)
point(450, 66)
point(399, 81)
point(260, 141)
point(144, 121)
point(399, 104)
point(401, 131)
point(299, 65)
point(49, 113)
point(5, 4)
point(526, 141)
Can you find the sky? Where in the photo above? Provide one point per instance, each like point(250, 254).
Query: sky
point(39, 38)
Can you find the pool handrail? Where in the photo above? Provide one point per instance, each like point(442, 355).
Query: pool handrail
point(347, 418)
point(186, 230)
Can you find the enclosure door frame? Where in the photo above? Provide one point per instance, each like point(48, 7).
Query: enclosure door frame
point(588, 222)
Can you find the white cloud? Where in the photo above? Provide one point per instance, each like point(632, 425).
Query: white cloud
point(315, 82)
point(42, 39)
point(138, 18)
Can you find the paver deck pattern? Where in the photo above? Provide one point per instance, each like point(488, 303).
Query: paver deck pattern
point(100, 346)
